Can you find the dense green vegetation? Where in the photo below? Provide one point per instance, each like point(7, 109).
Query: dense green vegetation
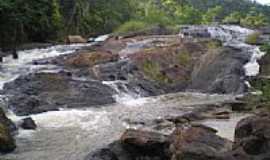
point(51, 20)
point(253, 38)
point(266, 48)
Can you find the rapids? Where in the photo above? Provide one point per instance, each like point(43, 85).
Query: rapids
point(72, 134)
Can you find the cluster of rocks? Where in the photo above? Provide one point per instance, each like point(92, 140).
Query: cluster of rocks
point(192, 142)
point(156, 65)
point(151, 65)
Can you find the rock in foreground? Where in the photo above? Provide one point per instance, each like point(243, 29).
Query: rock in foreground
point(192, 143)
point(252, 137)
point(197, 143)
point(7, 143)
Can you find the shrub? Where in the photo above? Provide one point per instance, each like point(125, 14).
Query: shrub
point(214, 44)
point(152, 70)
point(262, 84)
point(132, 26)
point(184, 58)
point(253, 38)
point(265, 48)
point(254, 20)
point(233, 18)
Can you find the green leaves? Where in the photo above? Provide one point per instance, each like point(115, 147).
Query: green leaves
point(212, 15)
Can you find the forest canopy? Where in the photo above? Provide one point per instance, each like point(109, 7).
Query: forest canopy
point(51, 20)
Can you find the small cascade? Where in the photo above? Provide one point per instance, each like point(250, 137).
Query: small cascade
point(12, 68)
point(232, 36)
point(125, 95)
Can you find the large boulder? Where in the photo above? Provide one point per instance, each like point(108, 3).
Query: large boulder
point(145, 144)
point(135, 144)
point(7, 143)
point(75, 39)
point(7, 122)
point(252, 136)
point(102, 154)
point(198, 143)
point(220, 71)
point(40, 92)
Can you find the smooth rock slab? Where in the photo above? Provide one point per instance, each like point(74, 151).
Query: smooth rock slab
point(41, 92)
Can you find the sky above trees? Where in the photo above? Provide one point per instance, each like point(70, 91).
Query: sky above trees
point(264, 1)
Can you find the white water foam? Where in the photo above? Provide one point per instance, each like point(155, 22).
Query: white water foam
point(124, 96)
point(102, 38)
point(85, 119)
point(252, 68)
point(235, 36)
point(12, 68)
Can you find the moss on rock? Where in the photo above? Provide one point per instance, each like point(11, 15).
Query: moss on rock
point(7, 143)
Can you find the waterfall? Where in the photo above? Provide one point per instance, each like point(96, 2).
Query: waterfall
point(124, 95)
point(232, 36)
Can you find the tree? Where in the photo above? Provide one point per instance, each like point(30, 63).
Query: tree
point(254, 19)
point(212, 15)
point(187, 15)
point(233, 18)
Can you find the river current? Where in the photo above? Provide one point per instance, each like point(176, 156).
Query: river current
point(72, 134)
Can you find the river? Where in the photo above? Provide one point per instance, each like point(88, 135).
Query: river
point(72, 134)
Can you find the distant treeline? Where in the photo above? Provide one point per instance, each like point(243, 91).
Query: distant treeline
point(51, 20)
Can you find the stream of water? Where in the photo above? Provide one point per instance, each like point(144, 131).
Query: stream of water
point(72, 134)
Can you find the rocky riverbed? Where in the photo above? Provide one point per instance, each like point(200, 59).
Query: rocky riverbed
point(161, 88)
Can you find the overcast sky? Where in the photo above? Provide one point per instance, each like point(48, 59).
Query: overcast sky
point(264, 1)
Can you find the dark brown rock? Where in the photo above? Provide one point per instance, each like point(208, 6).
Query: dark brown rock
point(252, 134)
point(75, 39)
point(7, 122)
point(89, 59)
point(7, 143)
point(142, 143)
point(197, 143)
point(29, 124)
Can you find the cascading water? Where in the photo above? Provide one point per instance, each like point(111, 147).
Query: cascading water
point(72, 134)
point(233, 36)
point(12, 68)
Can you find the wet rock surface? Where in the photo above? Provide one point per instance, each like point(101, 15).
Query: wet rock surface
point(7, 122)
point(193, 142)
point(40, 92)
point(221, 71)
point(7, 143)
point(28, 124)
point(135, 144)
point(145, 66)
point(252, 136)
point(140, 143)
point(161, 64)
point(197, 143)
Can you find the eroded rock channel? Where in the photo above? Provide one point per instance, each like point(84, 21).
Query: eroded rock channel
point(156, 91)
